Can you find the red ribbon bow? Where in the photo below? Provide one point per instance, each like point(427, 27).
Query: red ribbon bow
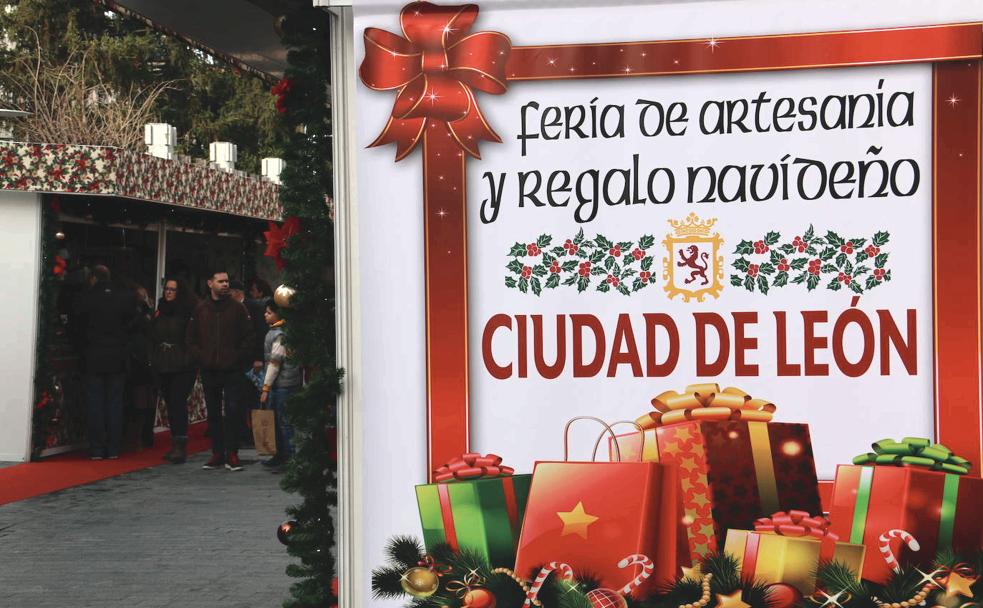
point(276, 239)
point(795, 523)
point(472, 466)
point(435, 69)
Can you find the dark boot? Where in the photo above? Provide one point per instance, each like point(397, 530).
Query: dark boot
point(173, 451)
point(180, 450)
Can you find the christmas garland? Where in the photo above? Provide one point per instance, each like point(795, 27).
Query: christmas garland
point(448, 579)
point(307, 255)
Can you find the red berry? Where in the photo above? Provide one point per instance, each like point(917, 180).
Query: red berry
point(615, 281)
point(752, 270)
point(645, 276)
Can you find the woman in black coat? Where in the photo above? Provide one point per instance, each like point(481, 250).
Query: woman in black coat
point(171, 360)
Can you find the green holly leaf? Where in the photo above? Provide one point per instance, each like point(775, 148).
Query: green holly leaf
point(540, 271)
point(625, 245)
point(880, 260)
point(624, 290)
point(799, 263)
point(811, 250)
point(518, 250)
point(582, 284)
point(775, 257)
point(871, 282)
point(855, 286)
point(809, 234)
point(598, 270)
point(547, 259)
point(570, 280)
point(609, 262)
point(781, 279)
point(763, 284)
point(859, 270)
point(800, 278)
point(597, 256)
point(569, 266)
point(736, 280)
point(638, 284)
point(848, 267)
point(515, 266)
point(553, 281)
point(861, 256)
point(537, 287)
point(766, 268)
point(834, 239)
point(744, 248)
point(628, 272)
point(647, 262)
point(840, 260)
point(881, 238)
point(558, 251)
point(510, 282)
point(827, 254)
point(616, 270)
point(646, 241)
point(787, 249)
point(544, 240)
point(749, 283)
point(812, 281)
point(772, 237)
point(887, 275)
point(834, 285)
point(741, 264)
point(828, 268)
point(579, 238)
point(523, 285)
point(603, 242)
point(604, 287)
point(858, 243)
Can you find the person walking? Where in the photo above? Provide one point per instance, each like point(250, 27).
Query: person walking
point(283, 378)
point(104, 316)
point(171, 360)
point(220, 338)
point(140, 382)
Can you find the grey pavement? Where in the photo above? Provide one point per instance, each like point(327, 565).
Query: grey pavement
point(173, 535)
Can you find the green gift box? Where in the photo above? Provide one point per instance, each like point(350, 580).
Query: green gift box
point(480, 515)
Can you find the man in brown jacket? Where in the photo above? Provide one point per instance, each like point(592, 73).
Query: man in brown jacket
point(220, 339)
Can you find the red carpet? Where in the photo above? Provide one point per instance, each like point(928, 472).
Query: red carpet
point(30, 479)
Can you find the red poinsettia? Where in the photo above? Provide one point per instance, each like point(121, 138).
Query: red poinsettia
point(281, 89)
point(276, 239)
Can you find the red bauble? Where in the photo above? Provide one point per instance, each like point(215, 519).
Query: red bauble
point(479, 598)
point(780, 595)
point(606, 598)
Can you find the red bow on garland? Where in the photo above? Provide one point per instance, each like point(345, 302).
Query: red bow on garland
point(472, 466)
point(276, 239)
point(435, 67)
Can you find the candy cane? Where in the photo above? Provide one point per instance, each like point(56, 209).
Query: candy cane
point(564, 570)
point(647, 568)
point(885, 546)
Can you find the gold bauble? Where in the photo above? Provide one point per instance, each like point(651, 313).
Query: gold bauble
point(283, 295)
point(420, 582)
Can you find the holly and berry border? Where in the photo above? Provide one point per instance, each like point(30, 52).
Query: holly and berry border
point(857, 263)
point(624, 267)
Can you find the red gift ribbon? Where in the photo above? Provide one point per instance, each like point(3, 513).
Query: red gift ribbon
point(793, 523)
point(435, 66)
point(471, 466)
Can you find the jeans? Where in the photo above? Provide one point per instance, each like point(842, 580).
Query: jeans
point(223, 423)
point(284, 430)
point(104, 399)
point(175, 387)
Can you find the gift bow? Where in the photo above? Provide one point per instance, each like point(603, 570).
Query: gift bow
point(472, 466)
point(706, 402)
point(435, 69)
point(796, 523)
point(915, 452)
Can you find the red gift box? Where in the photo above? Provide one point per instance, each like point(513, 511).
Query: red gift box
point(941, 510)
point(591, 515)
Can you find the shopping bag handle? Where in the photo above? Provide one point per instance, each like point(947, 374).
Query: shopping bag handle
point(641, 434)
point(566, 437)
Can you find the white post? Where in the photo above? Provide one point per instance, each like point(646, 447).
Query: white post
point(271, 169)
point(223, 154)
point(160, 138)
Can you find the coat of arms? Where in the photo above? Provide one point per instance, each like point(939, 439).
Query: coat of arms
point(693, 267)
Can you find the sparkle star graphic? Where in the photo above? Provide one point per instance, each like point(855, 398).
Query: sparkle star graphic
point(576, 521)
point(731, 601)
point(832, 600)
point(953, 100)
point(441, 213)
point(712, 44)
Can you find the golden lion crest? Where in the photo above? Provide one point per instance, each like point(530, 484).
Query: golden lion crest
point(693, 266)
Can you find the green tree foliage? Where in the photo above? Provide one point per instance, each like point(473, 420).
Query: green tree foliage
point(207, 101)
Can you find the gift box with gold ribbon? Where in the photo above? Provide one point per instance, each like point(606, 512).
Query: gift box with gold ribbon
point(477, 504)
point(913, 485)
point(735, 464)
point(788, 548)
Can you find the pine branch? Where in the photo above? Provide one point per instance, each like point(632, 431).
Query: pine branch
point(405, 551)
